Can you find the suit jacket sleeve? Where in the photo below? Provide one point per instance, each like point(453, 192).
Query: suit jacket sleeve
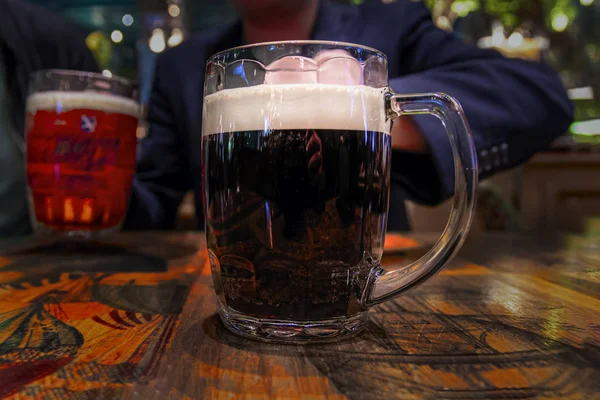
point(162, 176)
point(514, 107)
point(56, 39)
point(82, 58)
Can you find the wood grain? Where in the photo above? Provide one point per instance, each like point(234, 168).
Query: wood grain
point(511, 317)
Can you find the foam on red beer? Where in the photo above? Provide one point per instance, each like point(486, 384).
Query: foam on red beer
point(295, 106)
point(90, 100)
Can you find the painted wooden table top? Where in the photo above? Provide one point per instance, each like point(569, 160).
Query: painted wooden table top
point(134, 318)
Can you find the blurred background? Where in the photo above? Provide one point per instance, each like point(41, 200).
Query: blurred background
point(557, 190)
point(126, 35)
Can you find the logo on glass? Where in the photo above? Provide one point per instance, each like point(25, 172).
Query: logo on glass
point(88, 124)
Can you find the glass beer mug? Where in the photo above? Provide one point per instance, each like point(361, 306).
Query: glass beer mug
point(81, 152)
point(296, 161)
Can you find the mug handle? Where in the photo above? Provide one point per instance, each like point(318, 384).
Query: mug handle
point(386, 285)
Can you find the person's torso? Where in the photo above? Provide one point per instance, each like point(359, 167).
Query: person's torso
point(14, 219)
point(335, 23)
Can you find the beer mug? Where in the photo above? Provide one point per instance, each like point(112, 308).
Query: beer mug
point(81, 134)
point(296, 156)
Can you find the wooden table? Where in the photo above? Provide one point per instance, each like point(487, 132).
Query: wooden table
point(512, 317)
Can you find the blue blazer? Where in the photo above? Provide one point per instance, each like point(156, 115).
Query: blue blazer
point(515, 107)
point(31, 39)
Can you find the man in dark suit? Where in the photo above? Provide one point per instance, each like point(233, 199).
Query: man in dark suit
point(31, 39)
point(514, 107)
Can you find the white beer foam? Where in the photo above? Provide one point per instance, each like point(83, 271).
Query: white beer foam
point(66, 101)
point(295, 106)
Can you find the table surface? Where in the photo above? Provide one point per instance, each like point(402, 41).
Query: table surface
point(134, 317)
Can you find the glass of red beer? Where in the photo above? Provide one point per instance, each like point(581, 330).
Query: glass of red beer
point(81, 152)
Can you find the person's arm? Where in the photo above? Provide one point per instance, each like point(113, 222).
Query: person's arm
point(59, 42)
point(82, 58)
point(514, 107)
point(162, 177)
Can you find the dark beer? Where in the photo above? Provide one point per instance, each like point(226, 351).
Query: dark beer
point(295, 217)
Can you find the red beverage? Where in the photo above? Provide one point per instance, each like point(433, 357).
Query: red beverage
point(81, 155)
